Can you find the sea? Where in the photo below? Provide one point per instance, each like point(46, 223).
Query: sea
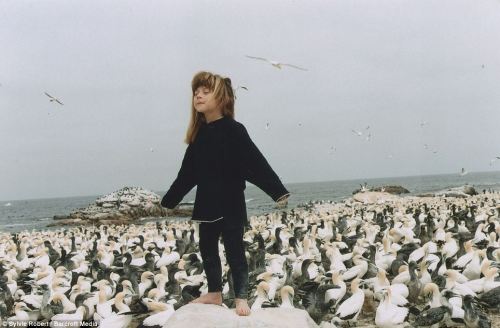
point(29, 214)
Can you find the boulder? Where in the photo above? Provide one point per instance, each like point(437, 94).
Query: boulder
point(210, 315)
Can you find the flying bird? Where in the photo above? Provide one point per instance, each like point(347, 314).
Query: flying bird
point(358, 133)
point(151, 149)
point(276, 63)
point(236, 89)
point(268, 125)
point(463, 172)
point(423, 123)
point(369, 137)
point(53, 99)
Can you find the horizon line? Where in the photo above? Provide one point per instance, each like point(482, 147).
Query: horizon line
point(285, 183)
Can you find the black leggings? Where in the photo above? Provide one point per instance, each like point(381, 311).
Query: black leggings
point(232, 236)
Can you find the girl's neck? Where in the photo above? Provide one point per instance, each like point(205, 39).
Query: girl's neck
point(210, 117)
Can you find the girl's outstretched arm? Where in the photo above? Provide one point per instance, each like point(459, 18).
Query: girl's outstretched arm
point(184, 182)
point(256, 169)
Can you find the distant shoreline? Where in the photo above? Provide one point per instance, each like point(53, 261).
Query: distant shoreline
point(286, 183)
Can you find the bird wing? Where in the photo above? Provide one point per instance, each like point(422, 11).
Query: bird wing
point(297, 67)
point(259, 58)
point(57, 100)
point(48, 95)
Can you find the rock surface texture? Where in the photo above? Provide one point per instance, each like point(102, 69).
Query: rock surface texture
point(121, 206)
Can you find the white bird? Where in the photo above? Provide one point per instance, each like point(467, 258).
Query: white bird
point(236, 89)
point(53, 99)
point(351, 307)
point(287, 293)
point(463, 172)
point(161, 313)
point(358, 133)
point(262, 289)
point(276, 63)
point(389, 315)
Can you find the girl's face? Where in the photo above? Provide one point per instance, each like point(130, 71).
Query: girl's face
point(204, 101)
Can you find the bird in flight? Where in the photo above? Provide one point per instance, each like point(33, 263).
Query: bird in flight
point(358, 133)
point(423, 123)
point(276, 63)
point(236, 89)
point(369, 137)
point(53, 99)
point(463, 172)
point(267, 125)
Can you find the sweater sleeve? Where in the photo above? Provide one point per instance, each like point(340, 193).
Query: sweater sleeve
point(256, 169)
point(184, 182)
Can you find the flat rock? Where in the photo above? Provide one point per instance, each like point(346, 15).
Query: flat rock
point(209, 315)
point(374, 197)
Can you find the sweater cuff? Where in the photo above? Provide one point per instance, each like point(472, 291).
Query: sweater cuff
point(282, 197)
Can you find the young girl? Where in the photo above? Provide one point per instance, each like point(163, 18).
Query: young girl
point(219, 157)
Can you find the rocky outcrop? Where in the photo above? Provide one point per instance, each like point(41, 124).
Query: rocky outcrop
point(394, 190)
point(374, 197)
point(458, 192)
point(121, 206)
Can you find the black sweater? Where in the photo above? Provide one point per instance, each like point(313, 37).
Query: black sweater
point(218, 162)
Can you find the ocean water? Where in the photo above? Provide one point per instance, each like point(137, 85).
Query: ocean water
point(37, 213)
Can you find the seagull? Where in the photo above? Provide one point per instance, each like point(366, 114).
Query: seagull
point(151, 149)
point(369, 137)
point(267, 125)
point(463, 172)
point(358, 133)
point(423, 123)
point(276, 64)
point(300, 124)
point(239, 87)
point(53, 99)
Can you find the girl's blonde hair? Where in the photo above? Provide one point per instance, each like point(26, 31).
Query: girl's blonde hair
point(223, 94)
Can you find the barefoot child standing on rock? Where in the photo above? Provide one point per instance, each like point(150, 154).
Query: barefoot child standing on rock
point(219, 157)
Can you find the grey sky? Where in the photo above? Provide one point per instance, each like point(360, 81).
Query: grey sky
point(123, 70)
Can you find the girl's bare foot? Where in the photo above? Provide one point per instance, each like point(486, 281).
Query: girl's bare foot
point(209, 298)
point(242, 307)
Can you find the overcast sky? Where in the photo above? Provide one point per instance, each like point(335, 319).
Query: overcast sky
point(423, 75)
